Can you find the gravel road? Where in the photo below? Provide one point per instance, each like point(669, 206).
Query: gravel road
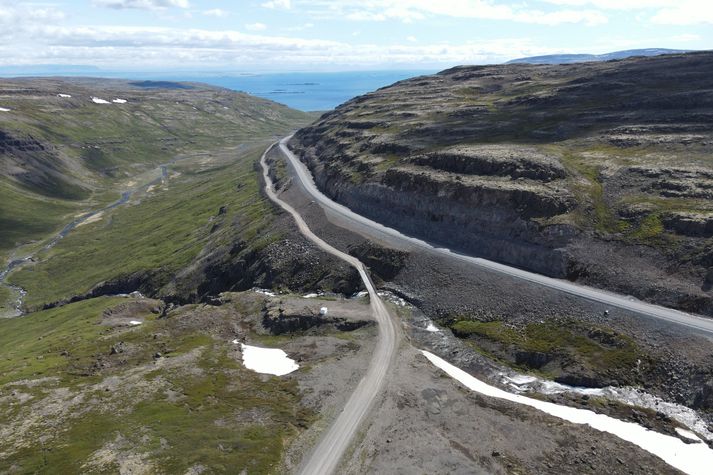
point(329, 451)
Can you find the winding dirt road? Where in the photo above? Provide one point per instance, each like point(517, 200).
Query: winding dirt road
point(325, 457)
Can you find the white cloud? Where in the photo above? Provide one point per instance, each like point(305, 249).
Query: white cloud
point(21, 19)
point(667, 12)
point(685, 38)
point(614, 4)
point(256, 27)
point(216, 12)
point(413, 10)
point(35, 34)
point(153, 47)
point(305, 26)
point(685, 13)
point(142, 4)
point(277, 4)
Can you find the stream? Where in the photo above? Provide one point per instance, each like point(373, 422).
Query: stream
point(13, 264)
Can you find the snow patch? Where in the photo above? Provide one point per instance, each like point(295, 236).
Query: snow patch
point(133, 323)
point(267, 360)
point(2, 109)
point(432, 328)
point(119, 101)
point(688, 434)
point(96, 100)
point(65, 96)
point(520, 379)
point(394, 299)
point(312, 296)
point(551, 387)
point(264, 292)
point(693, 459)
point(630, 396)
point(684, 415)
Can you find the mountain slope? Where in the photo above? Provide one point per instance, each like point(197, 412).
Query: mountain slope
point(581, 58)
point(127, 356)
point(193, 222)
point(65, 153)
point(599, 172)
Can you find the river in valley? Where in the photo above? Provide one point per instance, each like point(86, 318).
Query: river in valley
point(16, 262)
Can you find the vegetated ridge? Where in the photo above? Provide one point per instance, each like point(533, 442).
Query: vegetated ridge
point(595, 172)
point(126, 359)
point(201, 229)
point(581, 58)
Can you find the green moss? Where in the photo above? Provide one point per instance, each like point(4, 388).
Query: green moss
point(598, 348)
point(496, 330)
point(25, 216)
point(202, 428)
point(588, 187)
point(649, 228)
point(217, 414)
point(31, 347)
point(6, 300)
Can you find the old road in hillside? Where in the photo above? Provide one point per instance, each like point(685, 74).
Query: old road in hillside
point(325, 457)
point(358, 223)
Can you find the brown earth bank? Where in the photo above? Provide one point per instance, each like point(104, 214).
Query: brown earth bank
point(598, 172)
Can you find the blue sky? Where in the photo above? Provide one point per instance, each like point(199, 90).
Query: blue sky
point(321, 35)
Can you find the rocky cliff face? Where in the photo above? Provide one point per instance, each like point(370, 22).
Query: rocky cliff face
point(600, 172)
point(38, 166)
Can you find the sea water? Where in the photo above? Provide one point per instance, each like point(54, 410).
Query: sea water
point(307, 91)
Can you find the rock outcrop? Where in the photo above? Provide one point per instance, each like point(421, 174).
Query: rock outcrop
point(598, 172)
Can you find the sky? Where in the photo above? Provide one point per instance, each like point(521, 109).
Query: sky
point(322, 35)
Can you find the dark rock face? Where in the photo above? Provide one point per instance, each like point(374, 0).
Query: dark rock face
point(479, 217)
point(292, 263)
point(532, 359)
point(704, 398)
point(494, 160)
point(278, 322)
point(384, 263)
point(708, 282)
point(38, 166)
point(689, 224)
point(13, 145)
point(598, 172)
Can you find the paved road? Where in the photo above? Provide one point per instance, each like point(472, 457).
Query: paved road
point(700, 325)
point(325, 457)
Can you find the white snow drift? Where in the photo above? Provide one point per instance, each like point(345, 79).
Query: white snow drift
point(65, 96)
point(432, 328)
point(267, 360)
point(694, 459)
point(2, 109)
point(119, 101)
point(96, 100)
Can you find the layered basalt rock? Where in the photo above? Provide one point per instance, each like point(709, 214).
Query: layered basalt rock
point(599, 172)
